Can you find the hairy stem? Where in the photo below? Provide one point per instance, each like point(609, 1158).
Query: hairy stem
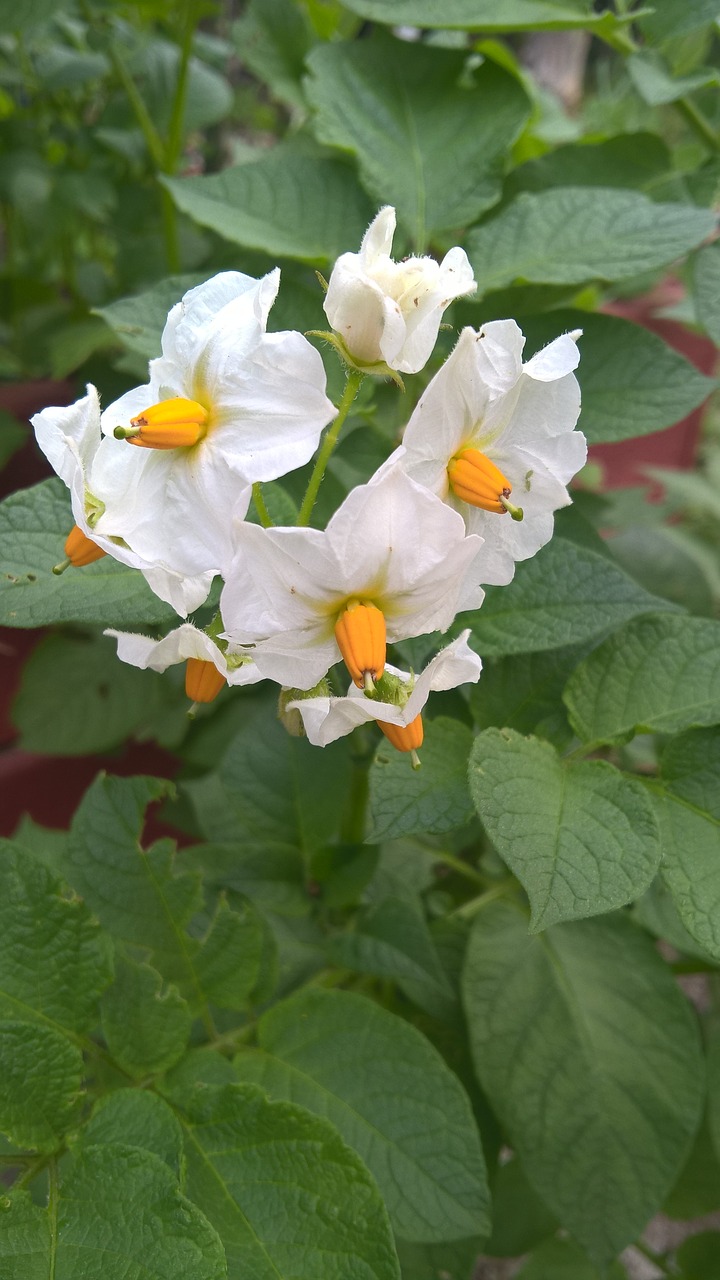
point(352, 387)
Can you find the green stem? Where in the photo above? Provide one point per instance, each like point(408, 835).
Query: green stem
point(260, 507)
point(32, 1172)
point(175, 132)
point(170, 231)
point(699, 123)
point(353, 827)
point(153, 141)
point(462, 868)
point(470, 909)
point(352, 387)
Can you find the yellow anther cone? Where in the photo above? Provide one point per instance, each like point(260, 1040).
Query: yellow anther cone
point(81, 550)
point(171, 424)
point(475, 479)
point(404, 737)
point(361, 636)
point(203, 681)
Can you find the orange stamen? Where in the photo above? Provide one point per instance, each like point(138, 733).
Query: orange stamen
point(81, 550)
point(361, 638)
point(203, 681)
point(171, 424)
point(475, 479)
point(404, 737)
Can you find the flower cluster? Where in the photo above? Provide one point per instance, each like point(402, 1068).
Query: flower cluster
point(163, 478)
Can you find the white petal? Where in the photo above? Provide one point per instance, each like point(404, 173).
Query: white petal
point(555, 360)
point(178, 646)
point(354, 306)
point(70, 435)
point(377, 241)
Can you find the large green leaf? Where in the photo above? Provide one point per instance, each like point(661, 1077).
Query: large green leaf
point(657, 86)
point(573, 234)
point(567, 594)
point(690, 829)
point(706, 287)
point(523, 692)
point(668, 19)
point(137, 1118)
point(391, 1096)
point(54, 960)
point(433, 798)
point(76, 698)
point(483, 15)
point(562, 1260)
point(289, 202)
point(272, 38)
point(119, 1214)
point(590, 1055)
point(146, 1027)
point(580, 836)
point(288, 1198)
point(429, 145)
point(631, 381)
point(41, 1074)
point(658, 674)
point(139, 321)
point(33, 527)
point(634, 160)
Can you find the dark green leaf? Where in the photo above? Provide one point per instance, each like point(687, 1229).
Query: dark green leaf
point(272, 38)
point(146, 1027)
point(431, 799)
point(139, 321)
point(393, 1100)
point(632, 160)
point(590, 1055)
point(137, 1118)
point(520, 1218)
point(41, 1075)
point(690, 829)
point(655, 83)
point(563, 1260)
point(483, 15)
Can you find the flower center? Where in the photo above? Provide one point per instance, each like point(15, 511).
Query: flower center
point(171, 424)
point(203, 681)
point(408, 737)
point(360, 634)
point(475, 479)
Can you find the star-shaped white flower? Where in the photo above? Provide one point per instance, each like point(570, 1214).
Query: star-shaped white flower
point(485, 406)
point(393, 561)
point(71, 440)
point(327, 718)
point(387, 313)
point(227, 404)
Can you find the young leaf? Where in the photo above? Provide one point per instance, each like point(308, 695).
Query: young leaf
point(590, 1055)
point(289, 202)
point(659, 674)
point(54, 960)
point(424, 143)
point(146, 1027)
point(566, 594)
point(690, 830)
point(33, 527)
point(286, 1195)
point(581, 837)
point(41, 1074)
point(433, 799)
point(393, 1099)
point(570, 235)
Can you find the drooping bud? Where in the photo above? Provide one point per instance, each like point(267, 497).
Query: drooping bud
point(171, 424)
point(361, 637)
point(203, 681)
point(475, 479)
point(405, 737)
point(80, 550)
point(289, 716)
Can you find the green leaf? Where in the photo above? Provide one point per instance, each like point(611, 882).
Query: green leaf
point(455, 1261)
point(483, 15)
point(657, 86)
point(590, 1056)
point(139, 321)
point(119, 1214)
point(41, 1075)
point(431, 799)
point(288, 202)
point(33, 527)
point(270, 874)
point(521, 1220)
point(669, 20)
point(699, 1257)
point(429, 138)
point(77, 699)
point(658, 674)
point(697, 1190)
point(268, 787)
point(523, 692)
point(631, 381)
point(54, 960)
point(231, 960)
point(690, 830)
point(392, 940)
point(565, 595)
point(13, 435)
point(706, 287)
point(633, 160)
point(563, 1260)
point(575, 234)
point(581, 837)
point(272, 38)
point(288, 1198)
point(137, 1118)
point(145, 1026)
point(393, 1099)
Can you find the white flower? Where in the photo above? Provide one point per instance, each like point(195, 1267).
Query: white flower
point(227, 404)
point(71, 441)
point(188, 644)
point(326, 718)
point(392, 555)
point(388, 313)
point(517, 417)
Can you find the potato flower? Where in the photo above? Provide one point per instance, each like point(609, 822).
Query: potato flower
point(211, 663)
point(387, 314)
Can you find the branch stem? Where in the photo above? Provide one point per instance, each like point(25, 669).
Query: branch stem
point(352, 386)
